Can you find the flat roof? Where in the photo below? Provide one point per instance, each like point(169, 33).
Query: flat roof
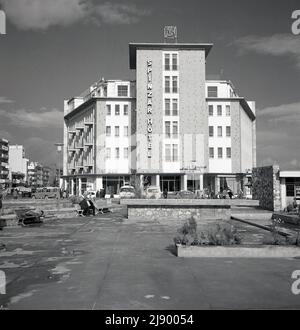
point(187, 46)
point(289, 174)
point(242, 101)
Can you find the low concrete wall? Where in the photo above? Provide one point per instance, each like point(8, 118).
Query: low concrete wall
point(263, 251)
point(180, 210)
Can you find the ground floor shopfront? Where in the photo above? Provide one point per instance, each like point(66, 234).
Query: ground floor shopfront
point(110, 184)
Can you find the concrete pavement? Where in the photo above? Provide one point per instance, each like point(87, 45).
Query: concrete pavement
point(107, 263)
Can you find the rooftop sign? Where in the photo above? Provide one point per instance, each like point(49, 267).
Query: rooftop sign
point(170, 32)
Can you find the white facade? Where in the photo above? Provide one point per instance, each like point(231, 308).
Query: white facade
point(170, 127)
point(17, 161)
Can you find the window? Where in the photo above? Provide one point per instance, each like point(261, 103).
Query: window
point(108, 110)
point(168, 129)
point(108, 131)
point(212, 91)
point(117, 131)
point(290, 190)
point(167, 107)
point(168, 153)
point(117, 110)
point(175, 62)
point(117, 153)
point(220, 131)
point(211, 110)
point(126, 153)
point(211, 153)
point(125, 110)
point(211, 131)
point(228, 111)
point(167, 62)
point(175, 152)
point(175, 107)
point(175, 84)
point(228, 152)
point(167, 85)
point(108, 153)
point(126, 130)
point(228, 131)
point(219, 110)
point(175, 129)
point(220, 153)
point(122, 91)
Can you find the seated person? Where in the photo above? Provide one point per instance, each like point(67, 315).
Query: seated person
point(87, 205)
point(295, 204)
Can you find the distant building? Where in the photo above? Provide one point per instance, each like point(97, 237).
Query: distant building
point(4, 163)
point(46, 176)
point(35, 174)
point(290, 187)
point(18, 164)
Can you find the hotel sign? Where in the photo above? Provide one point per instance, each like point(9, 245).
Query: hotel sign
point(149, 108)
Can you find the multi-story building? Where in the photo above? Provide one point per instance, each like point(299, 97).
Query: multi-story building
point(35, 174)
point(18, 164)
point(171, 127)
point(46, 176)
point(4, 164)
point(97, 137)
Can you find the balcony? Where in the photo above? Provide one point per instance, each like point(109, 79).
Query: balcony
point(80, 128)
point(88, 123)
point(79, 146)
point(2, 147)
point(72, 132)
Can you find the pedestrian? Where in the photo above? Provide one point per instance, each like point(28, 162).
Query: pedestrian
point(1, 205)
point(15, 194)
point(165, 194)
point(230, 194)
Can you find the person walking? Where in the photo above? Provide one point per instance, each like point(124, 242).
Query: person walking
point(165, 194)
point(1, 205)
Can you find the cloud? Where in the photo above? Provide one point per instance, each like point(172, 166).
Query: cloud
point(41, 14)
point(288, 113)
point(114, 13)
point(276, 45)
point(5, 100)
point(278, 136)
point(41, 150)
point(5, 135)
point(28, 119)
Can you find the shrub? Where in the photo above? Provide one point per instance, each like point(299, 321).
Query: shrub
point(215, 235)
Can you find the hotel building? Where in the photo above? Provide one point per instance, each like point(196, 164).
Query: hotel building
point(170, 127)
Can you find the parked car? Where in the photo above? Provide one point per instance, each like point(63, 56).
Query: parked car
point(45, 193)
point(153, 192)
point(186, 194)
point(24, 192)
point(127, 192)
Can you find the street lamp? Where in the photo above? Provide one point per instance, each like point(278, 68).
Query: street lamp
point(59, 149)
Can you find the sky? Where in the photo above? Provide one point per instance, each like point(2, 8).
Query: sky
point(54, 50)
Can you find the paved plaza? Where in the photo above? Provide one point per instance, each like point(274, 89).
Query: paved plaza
point(108, 263)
